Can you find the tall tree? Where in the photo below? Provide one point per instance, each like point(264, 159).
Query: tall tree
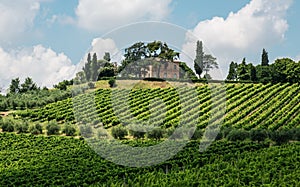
point(107, 56)
point(243, 74)
point(94, 68)
point(198, 62)
point(14, 86)
point(28, 85)
point(209, 62)
point(232, 75)
point(264, 58)
point(252, 72)
point(140, 51)
point(87, 67)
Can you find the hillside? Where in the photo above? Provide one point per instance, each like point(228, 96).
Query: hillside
point(248, 106)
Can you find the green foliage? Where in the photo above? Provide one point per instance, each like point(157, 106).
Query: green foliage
point(136, 132)
point(52, 128)
point(63, 85)
point(119, 132)
point(112, 82)
point(8, 125)
point(258, 135)
point(186, 72)
point(198, 62)
point(264, 58)
point(28, 85)
point(140, 50)
point(21, 127)
point(156, 133)
point(232, 75)
point(281, 137)
point(238, 135)
point(61, 161)
point(69, 130)
point(36, 129)
point(32, 99)
point(209, 62)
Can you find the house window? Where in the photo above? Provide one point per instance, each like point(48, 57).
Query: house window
point(175, 76)
point(175, 66)
point(165, 75)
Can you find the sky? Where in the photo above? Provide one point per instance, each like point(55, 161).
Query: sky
point(48, 40)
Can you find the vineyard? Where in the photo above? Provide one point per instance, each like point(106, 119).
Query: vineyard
point(247, 106)
point(28, 160)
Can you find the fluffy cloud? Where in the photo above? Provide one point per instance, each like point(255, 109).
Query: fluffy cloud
point(16, 17)
point(100, 46)
point(99, 15)
point(43, 65)
point(259, 24)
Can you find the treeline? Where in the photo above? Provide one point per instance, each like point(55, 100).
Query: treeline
point(282, 70)
point(28, 95)
point(95, 69)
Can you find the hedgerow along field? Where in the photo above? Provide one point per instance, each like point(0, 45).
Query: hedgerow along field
point(247, 106)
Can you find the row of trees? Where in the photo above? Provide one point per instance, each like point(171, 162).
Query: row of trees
point(28, 85)
point(281, 71)
point(95, 69)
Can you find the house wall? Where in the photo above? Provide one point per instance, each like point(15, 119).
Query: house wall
point(168, 70)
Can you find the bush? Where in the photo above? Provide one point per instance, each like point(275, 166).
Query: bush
point(281, 137)
point(137, 134)
point(101, 133)
point(119, 132)
point(258, 135)
point(112, 82)
point(7, 126)
point(86, 131)
point(22, 127)
point(91, 85)
point(238, 135)
point(197, 134)
point(36, 129)
point(69, 130)
point(52, 128)
point(156, 133)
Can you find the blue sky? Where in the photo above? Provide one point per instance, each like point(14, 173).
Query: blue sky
point(46, 39)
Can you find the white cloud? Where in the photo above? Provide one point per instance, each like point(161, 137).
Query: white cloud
point(99, 15)
point(16, 17)
point(43, 65)
point(259, 24)
point(100, 46)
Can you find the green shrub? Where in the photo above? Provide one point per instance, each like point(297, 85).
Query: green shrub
point(101, 133)
point(52, 128)
point(7, 126)
point(197, 134)
point(91, 85)
point(86, 131)
point(258, 135)
point(238, 135)
point(156, 133)
point(21, 127)
point(119, 132)
point(281, 137)
point(36, 129)
point(112, 82)
point(137, 134)
point(69, 130)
